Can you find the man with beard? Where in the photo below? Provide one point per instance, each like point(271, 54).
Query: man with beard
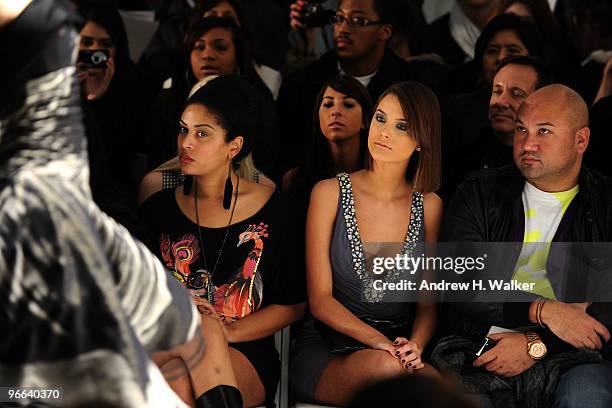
point(516, 78)
point(362, 30)
point(560, 353)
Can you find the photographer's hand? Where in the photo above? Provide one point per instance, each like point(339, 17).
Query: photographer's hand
point(103, 85)
point(81, 72)
point(294, 15)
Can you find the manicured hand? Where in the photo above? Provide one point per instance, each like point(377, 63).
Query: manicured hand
point(409, 353)
point(508, 357)
point(385, 345)
point(294, 15)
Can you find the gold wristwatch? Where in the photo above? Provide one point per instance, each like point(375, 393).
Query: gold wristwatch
point(535, 348)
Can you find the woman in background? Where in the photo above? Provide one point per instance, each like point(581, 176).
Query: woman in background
point(342, 115)
point(112, 111)
point(213, 46)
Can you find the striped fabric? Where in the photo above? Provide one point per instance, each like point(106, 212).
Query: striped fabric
point(81, 302)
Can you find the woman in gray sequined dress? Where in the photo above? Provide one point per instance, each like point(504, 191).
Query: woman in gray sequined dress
point(392, 200)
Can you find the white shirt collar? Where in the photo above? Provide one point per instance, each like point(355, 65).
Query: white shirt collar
point(364, 80)
point(463, 31)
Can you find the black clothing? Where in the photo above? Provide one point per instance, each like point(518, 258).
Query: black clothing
point(118, 117)
point(162, 125)
point(112, 197)
point(597, 155)
point(162, 55)
point(468, 141)
point(587, 79)
point(299, 91)
point(533, 388)
point(437, 38)
point(462, 79)
point(268, 22)
point(496, 154)
point(488, 207)
point(266, 267)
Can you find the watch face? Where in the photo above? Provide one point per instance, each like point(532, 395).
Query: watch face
point(537, 350)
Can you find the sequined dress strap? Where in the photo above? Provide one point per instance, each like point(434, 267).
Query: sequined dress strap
point(354, 237)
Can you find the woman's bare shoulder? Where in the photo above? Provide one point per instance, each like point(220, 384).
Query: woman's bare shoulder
point(432, 202)
point(150, 184)
point(326, 188)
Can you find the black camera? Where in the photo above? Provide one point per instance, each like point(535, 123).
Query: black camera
point(93, 58)
point(315, 15)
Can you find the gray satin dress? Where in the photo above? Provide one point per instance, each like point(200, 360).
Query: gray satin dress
point(311, 352)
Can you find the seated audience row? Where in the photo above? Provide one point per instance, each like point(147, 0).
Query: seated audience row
point(265, 210)
point(352, 338)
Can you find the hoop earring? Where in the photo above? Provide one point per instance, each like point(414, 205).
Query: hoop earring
point(229, 189)
point(187, 184)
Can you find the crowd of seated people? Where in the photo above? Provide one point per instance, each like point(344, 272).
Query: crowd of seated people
point(262, 183)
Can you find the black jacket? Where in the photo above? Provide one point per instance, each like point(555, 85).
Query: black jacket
point(597, 155)
point(437, 38)
point(299, 91)
point(488, 207)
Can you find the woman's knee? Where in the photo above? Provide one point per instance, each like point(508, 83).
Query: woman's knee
point(385, 365)
point(212, 330)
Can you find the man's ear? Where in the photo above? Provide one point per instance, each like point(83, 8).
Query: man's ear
point(582, 139)
point(385, 32)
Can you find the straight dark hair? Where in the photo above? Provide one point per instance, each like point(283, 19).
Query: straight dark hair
point(318, 159)
point(422, 112)
point(545, 75)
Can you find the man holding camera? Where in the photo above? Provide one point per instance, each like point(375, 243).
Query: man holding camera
point(362, 30)
point(551, 199)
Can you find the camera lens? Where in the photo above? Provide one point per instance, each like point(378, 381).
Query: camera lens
point(98, 58)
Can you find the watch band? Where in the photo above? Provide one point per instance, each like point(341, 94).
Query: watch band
point(531, 338)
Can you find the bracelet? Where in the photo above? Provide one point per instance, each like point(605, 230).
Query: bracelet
point(539, 308)
point(538, 311)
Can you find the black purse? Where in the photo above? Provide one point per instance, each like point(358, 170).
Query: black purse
point(340, 343)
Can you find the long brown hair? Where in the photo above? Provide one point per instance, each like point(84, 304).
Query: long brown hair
point(422, 112)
